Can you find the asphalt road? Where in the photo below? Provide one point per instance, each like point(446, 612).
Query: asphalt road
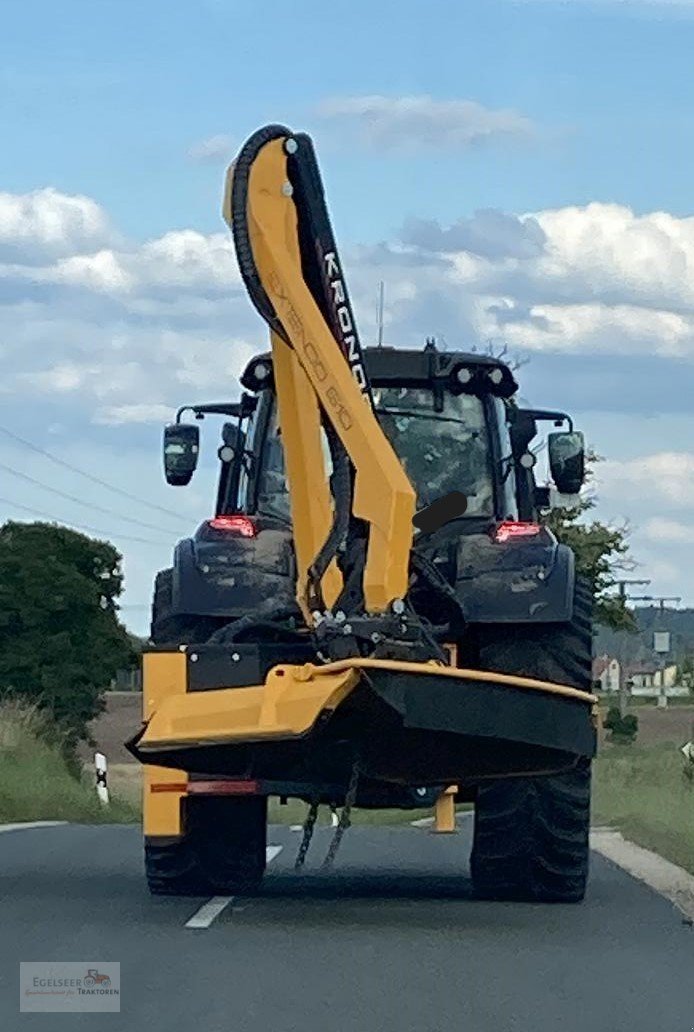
point(389, 940)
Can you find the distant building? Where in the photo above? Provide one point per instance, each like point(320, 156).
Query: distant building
point(649, 678)
point(606, 671)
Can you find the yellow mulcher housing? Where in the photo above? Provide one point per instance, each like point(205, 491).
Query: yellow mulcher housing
point(363, 698)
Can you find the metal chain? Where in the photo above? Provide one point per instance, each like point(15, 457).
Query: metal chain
point(345, 818)
point(309, 825)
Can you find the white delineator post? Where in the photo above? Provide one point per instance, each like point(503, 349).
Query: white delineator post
point(101, 768)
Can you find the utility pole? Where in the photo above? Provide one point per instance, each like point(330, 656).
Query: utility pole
point(622, 586)
point(662, 645)
point(660, 599)
point(379, 318)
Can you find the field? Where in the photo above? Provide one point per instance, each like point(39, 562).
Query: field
point(642, 791)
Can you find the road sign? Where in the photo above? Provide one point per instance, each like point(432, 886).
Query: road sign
point(661, 641)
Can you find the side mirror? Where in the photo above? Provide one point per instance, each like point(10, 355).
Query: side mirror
point(181, 448)
point(567, 461)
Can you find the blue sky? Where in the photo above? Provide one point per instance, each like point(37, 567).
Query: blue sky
point(118, 298)
point(105, 99)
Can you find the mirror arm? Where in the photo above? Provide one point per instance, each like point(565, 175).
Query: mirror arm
point(549, 416)
point(189, 408)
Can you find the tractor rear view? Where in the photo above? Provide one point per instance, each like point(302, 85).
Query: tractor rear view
point(376, 610)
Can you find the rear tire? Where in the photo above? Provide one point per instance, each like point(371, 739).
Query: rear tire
point(531, 834)
point(221, 852)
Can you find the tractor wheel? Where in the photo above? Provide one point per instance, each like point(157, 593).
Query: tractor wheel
point(168, 628)
point(531, 833)
point(221, 852)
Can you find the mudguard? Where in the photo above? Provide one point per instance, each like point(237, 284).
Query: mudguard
point(531, 582)
point(232, 576)
point(518, 583)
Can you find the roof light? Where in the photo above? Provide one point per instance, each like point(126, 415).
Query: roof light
point(463, 375)
point(236, 524)
point(512, 530)
point(261, 370)
point(496, 376)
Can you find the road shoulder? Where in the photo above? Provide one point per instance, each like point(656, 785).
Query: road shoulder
point(666, 878)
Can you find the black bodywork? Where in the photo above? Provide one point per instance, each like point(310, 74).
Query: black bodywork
point(519, 581)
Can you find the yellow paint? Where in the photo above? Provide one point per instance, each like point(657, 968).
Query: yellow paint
point(284, 707)
point(309, 492)
point(383, 496)
point(163, 678)
point(444, 812)
point(458, 673)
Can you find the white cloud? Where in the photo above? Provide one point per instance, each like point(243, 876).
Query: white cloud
point(668, 532)
point(128, 324)
point(119, 334)
point(488, 234)
point(667, 477)
point(596, 278)
point(102, 271)
point(212, 150)
point(49, 223)
point(422, 121)
point(111, 415)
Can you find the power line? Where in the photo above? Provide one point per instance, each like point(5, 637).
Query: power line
point(76, 500)
point(76, 526)
point(90, 476)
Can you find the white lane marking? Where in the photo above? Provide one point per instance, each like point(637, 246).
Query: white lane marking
point(666, 878)
point(210, 910)
point(27, 825)
point(296, 827)
point(204, 917)
point(425, 822)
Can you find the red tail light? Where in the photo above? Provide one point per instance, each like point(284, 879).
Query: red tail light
point(510, 530)
point(241, 525)
point(212, 787)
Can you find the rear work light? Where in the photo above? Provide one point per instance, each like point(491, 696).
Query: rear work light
point(241, 525)
point(511, 530)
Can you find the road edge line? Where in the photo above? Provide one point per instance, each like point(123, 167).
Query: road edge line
point(28, 825)
point(661, 875)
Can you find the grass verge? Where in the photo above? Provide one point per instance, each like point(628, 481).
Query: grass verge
point(35, 781)
point(642, 791)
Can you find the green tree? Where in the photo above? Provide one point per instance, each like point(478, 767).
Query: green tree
point(60, 639)
point(602, 555)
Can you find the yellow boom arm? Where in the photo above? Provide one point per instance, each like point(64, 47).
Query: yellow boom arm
point(263, 207)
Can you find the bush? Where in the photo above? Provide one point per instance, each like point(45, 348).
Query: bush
point(621, 729)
